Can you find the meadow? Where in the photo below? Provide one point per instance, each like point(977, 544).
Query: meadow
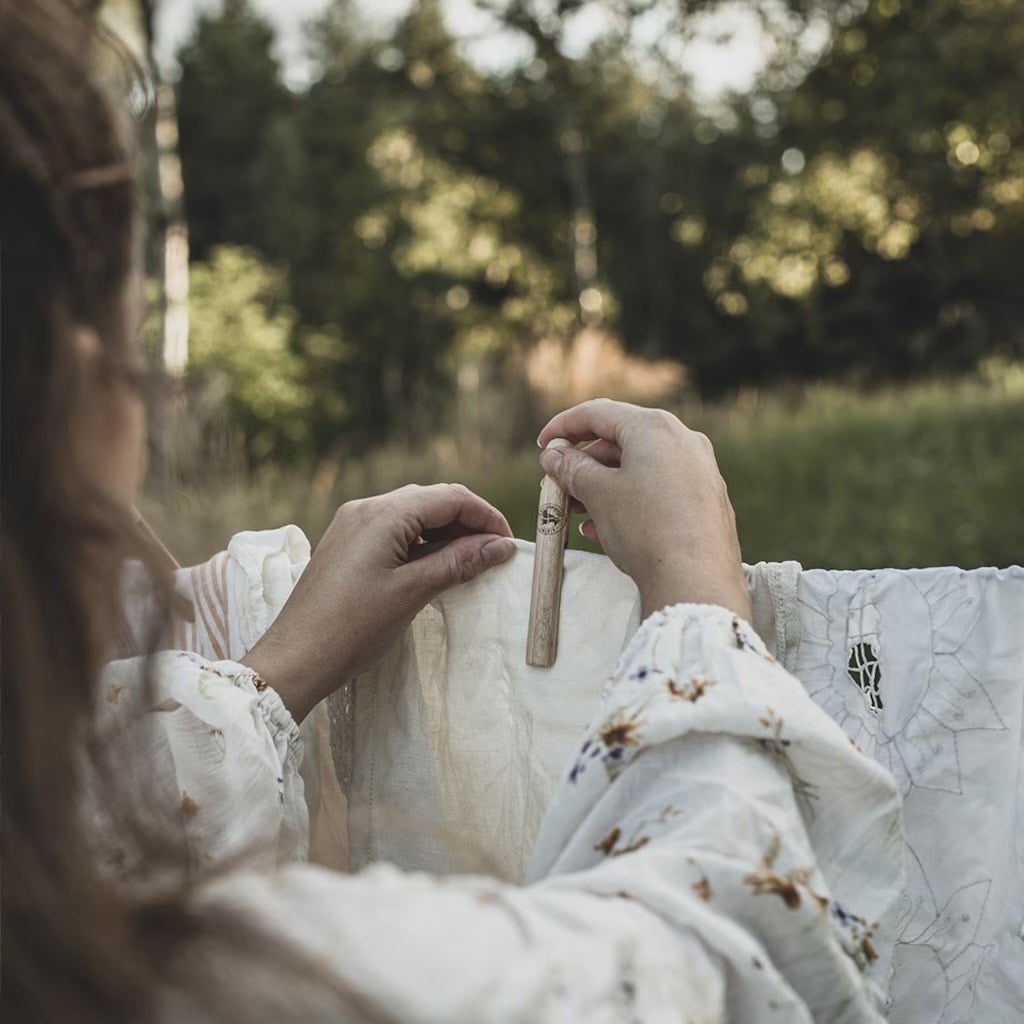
point(918, 475)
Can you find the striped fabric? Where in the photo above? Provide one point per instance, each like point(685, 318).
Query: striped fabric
point(209, 635)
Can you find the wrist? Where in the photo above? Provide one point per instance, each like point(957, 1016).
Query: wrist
point(695, 588)
point(287, 676)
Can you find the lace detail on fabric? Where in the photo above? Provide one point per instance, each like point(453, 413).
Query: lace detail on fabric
point(863, 646)
point(864, 671)
point(922, 669)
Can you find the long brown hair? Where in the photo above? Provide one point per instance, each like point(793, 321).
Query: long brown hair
point(67, 217)
point(78, 944)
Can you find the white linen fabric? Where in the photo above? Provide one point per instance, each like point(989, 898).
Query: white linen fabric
point(451, 749)
point(715, 850)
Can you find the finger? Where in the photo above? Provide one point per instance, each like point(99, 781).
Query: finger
point(420, 548)
point(598, 418)
point(458, 561)
point(446, 533)
point(607, 453)
point(444, 505)
point(576, 507)
point(433, 540)
point(576, 472)
point(588, 529)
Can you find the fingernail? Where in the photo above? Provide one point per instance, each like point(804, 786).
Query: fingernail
point(580, 528)
point(550, 459)
point(496, 551)
point(539, 445)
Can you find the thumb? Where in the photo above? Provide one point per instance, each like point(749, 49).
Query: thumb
point(575, 471)
point(460, 561)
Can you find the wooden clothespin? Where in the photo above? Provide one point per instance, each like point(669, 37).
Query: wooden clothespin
point(548, 566)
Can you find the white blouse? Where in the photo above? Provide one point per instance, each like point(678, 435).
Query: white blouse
point(717, 851)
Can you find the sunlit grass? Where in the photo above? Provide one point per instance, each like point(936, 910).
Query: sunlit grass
point(926, 475)
point(914, 477)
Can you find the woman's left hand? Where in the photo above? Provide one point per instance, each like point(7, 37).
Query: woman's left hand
point(379, 562)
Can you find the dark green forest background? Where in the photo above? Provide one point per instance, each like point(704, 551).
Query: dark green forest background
point(379, 258)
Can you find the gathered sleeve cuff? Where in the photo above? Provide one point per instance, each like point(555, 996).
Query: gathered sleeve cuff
point(232, 750)
point(233, 597)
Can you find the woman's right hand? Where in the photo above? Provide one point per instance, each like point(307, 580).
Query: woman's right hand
point(656, 501)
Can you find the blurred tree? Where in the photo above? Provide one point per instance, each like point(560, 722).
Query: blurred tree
point(665, 192)
point(238, 146)
point(419, 256)
point(860, 218)
point(616, 146)
point(884, 233)
point(345, 273)
point(242, 329)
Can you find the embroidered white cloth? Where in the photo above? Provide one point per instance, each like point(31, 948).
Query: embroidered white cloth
point(452, 749)
point(715, 850)
point(925, 670)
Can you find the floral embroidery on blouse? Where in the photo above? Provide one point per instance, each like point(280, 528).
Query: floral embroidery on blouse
point(607, 846)
point(776, 744)
point(856, 937)
point(702, 888)
point(620, 732)
point(639, 837)
point(788, 886)
point(640, 674)
point(219, 743)
point(692, 691)
point(774, 741)
point(561, 921)
point(739, 634)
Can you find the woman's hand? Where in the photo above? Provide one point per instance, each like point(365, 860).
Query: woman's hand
point(380, 561)
point(657, 502)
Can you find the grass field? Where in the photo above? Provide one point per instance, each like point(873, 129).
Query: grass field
point(931, 474)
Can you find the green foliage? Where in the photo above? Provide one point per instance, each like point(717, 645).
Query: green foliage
point(237, 136)
point(457, 227)
point(925, 475)
point(909, 476)
point(241, 330)
point(888, 229)
point(861, 221)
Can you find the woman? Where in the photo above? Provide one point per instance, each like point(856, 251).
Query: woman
point(718, 851)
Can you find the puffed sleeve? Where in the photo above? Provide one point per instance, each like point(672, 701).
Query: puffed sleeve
point(717, 851)
point(228, 757)
point(225, 751)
